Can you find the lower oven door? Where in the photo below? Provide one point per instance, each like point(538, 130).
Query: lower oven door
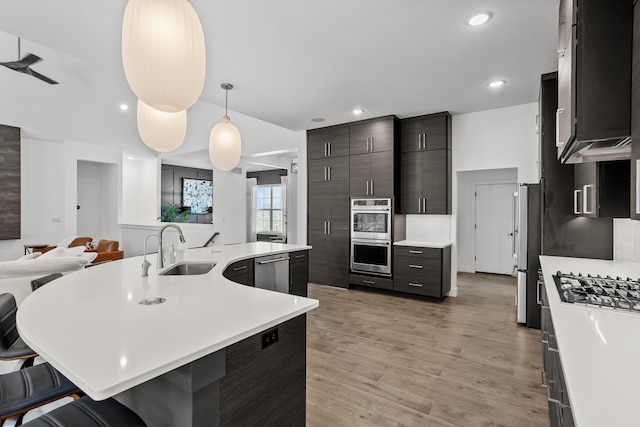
point(371, 256)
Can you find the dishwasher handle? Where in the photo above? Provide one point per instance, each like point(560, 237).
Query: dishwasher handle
point(269, 261)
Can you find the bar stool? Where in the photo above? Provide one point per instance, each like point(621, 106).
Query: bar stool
point(24, 390)
point(11, 345)
point(86, 412)
point(41, 281)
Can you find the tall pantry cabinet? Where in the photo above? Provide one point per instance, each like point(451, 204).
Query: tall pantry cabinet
point(328, 205)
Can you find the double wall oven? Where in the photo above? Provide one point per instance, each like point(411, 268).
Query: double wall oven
point(371, 236)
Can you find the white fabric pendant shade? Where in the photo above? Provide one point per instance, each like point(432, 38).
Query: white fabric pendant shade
point(161, 131)
point(163, 53)
point(225, 145)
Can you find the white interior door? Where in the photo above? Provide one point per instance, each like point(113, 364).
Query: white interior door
point(89, 200)
point(494, 228)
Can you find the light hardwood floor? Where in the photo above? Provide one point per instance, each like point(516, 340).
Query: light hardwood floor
point(383, 359)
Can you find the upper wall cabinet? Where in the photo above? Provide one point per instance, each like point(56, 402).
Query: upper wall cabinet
point(601, 189)
point(328, 142)
point(372, 136)
point(425, 164)
point(594, 80)
point(430, 132)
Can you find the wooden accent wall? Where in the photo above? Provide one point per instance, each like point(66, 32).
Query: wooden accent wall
point(9, 182)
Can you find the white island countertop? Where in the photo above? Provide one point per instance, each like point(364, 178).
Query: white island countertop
point(90, 327)
point(599, 347)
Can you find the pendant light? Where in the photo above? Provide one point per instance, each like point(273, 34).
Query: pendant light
point(159, 130)
point(224, 142)
point(163, 53)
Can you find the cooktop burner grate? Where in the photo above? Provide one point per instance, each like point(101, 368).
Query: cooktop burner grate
point(618, 293)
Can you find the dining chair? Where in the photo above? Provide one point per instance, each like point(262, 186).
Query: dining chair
point(12, 347)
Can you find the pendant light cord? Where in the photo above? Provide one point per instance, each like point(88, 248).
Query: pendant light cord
point(226, 101)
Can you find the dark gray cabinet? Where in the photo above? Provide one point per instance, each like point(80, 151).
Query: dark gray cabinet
point(425, 164)
point(553, 377)
point(425, 182)
point(240, 272)
point(635, 120)
point(372, 175)
point(594, 78)
point(328, 142)
point(328, 222)
point(299, 273)
point(372, 163)
point(422, 271)
point(602, 189)
point(432, 132)
point(372, 136)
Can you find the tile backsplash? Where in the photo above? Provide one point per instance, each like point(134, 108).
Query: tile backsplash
point(626, 240)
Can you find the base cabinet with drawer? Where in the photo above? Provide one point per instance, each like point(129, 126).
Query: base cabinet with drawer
point(240, 272)
point(422, 271)
point(553, 377)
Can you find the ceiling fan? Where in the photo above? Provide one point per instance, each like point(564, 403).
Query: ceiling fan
point(24, 66)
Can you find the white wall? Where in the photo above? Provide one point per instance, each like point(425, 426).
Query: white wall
point(495, 139)
point(626, 240)
point(465, 218)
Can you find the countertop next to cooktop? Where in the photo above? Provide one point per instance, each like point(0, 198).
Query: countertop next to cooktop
point(599, 347)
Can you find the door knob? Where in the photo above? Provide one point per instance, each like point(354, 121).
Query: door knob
point(510, 234)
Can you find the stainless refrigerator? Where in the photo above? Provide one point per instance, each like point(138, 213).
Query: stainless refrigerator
point(526, 253)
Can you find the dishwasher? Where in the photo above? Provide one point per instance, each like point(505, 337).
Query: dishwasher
point(272, 272)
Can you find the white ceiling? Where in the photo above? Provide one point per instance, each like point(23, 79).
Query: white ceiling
point(289, 60)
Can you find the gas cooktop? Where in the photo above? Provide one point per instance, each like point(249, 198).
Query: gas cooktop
point(618, 293)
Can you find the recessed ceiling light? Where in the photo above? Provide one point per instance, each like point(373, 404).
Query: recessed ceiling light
point(130, 158)
point(358, 111)
point(496, 83)
point(317, 119)
point(478, 18)
point(124, 107)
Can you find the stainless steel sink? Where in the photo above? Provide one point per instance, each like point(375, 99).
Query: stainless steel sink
point(188, 269)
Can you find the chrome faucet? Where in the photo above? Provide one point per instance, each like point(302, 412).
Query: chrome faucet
point(146, 264)
point(160, 257)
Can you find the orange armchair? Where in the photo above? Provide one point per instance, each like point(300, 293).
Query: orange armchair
point(108, 251)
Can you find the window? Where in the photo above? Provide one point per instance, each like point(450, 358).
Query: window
point(269, 208)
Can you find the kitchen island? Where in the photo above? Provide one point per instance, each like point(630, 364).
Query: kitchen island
point(169, 361)
point(598, 346)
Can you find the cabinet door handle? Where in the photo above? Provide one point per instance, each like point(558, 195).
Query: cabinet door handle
point(367, 187)
point(329, 166)
point(325, 227)
point(325, 173)
point(558, 112)
point(585, 198)
point(538, 300)
point(415, 252)
point(419, 141)
point(298, 256)
point(369, 282)
point(424, 205)
point(415, 266)
point(372, 187)
point(367, 144)
point(240, 268)
point(326, 149)
point(329, 222)
point(419, 205)
point(415, 285)
point(372, 144)
point(576, 204)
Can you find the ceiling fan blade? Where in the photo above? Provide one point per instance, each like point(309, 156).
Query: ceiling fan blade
point(41, 77)
point(28, 60)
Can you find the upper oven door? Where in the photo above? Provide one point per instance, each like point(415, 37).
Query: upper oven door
point(371, 224)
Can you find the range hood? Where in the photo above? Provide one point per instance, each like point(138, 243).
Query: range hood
point(595, 151)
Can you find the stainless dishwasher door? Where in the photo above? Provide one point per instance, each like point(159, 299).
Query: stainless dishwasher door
point(272, 272)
